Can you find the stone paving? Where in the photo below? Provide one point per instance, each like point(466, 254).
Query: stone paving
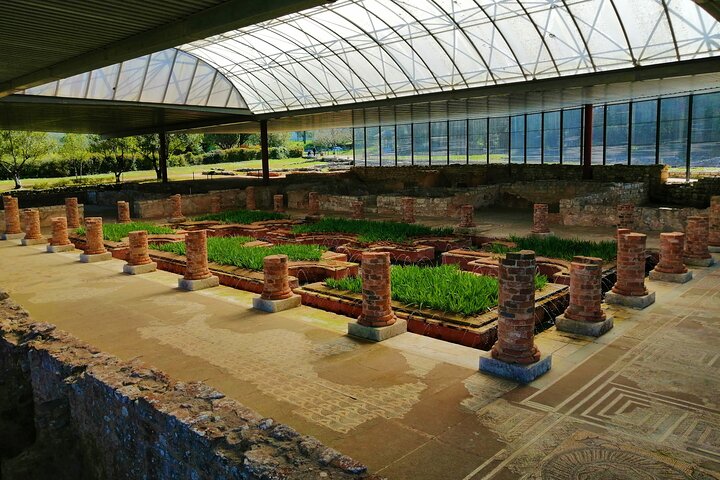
point(642, 401)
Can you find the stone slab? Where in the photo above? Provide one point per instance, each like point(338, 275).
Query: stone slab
point(177, 220)
point(273, 306)
point(698, 262)
point(714, 249)
point(139, 269)
point(515, 371)
point(33, 241)
point(100, 257)
point(12, 236)
point(589, 329)
point(192, 285)
point(671, 277)
point(377, 334)
point(639, 302)
point(60, 248)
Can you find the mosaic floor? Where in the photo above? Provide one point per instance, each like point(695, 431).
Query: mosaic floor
point(641, 402)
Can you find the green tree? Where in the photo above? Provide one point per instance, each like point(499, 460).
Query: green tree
point(149, 146)
point(19, 148)
point(179, 143)
point(117, 153)
point(223, 141)
point(74, 149)
point(280, 139)
point(332, 137)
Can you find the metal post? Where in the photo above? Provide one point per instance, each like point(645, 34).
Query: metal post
point(657, 132)
point(163, 156)
point(587, 141)
point(264, 151)
point(630, 131)
point(688, 145)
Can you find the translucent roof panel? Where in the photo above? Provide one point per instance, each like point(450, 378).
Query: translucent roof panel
point(362, 50)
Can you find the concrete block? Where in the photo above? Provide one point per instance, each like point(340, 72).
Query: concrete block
point(139, 269)
point(377, 334)
point(515, 371)
point(698, 262)
point(60, 248)
point(671, 277)
point(192, 285)
point(590, 329)
point(714, 249)
point(36, 241)
point(12, 236)
point(177, 220)
point(639, 302)
point(273, 306)
point(100, 257)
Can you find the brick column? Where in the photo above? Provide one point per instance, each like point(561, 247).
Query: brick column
point(176, 214)
point(138, 252)
point(32, 224)
point(585, 315)
point(278, 203)
point(313, 204)
point(516, 304)
point(671, 267)
point(59, 232)
point(123, 212)
point(376, 295)
point(620, 232)
point(12, 216)
point(215, 204)
point(250, 198)
point(358, 209)
point(540, 219)
point(467, 215)
point(94, 236)
point(697, 252)
point(196, 255)
point(72, 212)
point(626, 215)
point(408, 210)
point(629, 288)
point(275, 271)
point(714, 224)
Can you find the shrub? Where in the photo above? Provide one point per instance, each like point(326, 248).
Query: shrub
point(242, 216)
point(370, 231)
point(115, 232)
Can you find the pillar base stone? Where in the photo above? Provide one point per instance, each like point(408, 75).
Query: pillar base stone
point(670, 277)
point(698, 262)
point(377, 334)
point(589, 329)
point(139, 269)
point(60, 248)
point(639, 302)
point(515, 371)
point(542, 234)
point(177, 219)
point(714, 248)
point(192, 285)
point(274, 306)
point(12, 236)
point(33, 241)
point(99, 257)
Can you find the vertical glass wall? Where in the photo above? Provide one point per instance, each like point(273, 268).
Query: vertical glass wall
point(598, 135)
point(552, 137)
point(404, 144)
point(705, 141)
point(517, 139)
point(499, 130)
point(616, 134)
point(572, 136)
point(458, 141)
point(533, 147)
point(439, 143)
point(642, 143)
point(673, 131)
point(478, 141)
point(421, 144)
point(372, 146)
point(387, 144)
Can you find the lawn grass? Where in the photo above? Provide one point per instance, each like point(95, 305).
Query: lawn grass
point(445, 288)
point(230, 251)
point(370, 231)
point(115, 232)
point(242, 216)
point(561, 248)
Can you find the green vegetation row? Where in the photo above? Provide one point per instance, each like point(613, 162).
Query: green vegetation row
point(230, 251)
point(243, 217)
point(445, 288)
point(115, 232)
point(369, 231)
point(561, 248)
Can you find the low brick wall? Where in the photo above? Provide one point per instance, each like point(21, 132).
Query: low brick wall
point(98, 417)
point(46, 213)
point(191, 204)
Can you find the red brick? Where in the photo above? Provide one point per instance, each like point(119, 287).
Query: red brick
point(540, 218)
point(279, 203)
point(123, 212)
point(32, 224)
point(672, 246)
point(59, 232)
point(94, 236)
point(696, 238)
point(12, 215)
point(276, 284)
point(467, 215)
point(376, 295)
point(408, 210)
point(138, 253)
point(250, 198)
point(196, 255)
point(626, 215)
point(631, 265)
point(585, 290)
point(72, 212)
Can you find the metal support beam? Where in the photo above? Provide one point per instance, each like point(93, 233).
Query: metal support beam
point(264, 151)
point(587, 141)
point(163, 156)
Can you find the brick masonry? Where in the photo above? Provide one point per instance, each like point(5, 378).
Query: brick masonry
point(196, 254)
point(696, 238)
point(12, 215)
point(71, 212)
point(540, 218)
point(714, 222)
point(276, 280)
point(47, 214)
point(250, 198)
point(313, 204)
point(94, 236)
point(358, 209)
point(467, 216)
point(215, 203)
point(31, 218)
point(672, 246)
point(626, 215)
point(516, 306)
point(123, 212)
point(376, 293)
point(585, 290)
point(408, 209)
point(176, 206)
point(138, 252)
point(59, 232)
point(279, 203)
point(631, 265)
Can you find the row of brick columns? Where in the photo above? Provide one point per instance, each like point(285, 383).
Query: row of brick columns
point(196, 256)
point(12, 215)
point(123, 212)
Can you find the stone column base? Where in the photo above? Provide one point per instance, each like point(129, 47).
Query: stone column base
point(377, 334)
point(60, 248)
point(670, 277)
point(541, 235)
point(274, 306)
point(33, 241)
point(515, 371)
point(12, 236)
point(714, 248)
point(192, 285)
point(590, 329)
point(99, 257)
point(630, 301)
point(139, 269)
point(177, 219)
point(698, 262)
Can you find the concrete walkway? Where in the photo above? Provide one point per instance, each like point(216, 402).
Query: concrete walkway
point(642, 401)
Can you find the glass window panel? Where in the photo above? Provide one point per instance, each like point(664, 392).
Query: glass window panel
point(552, 137)
point(158, 73)
point(180, 78)
point(439, 143)
point(132, 73)
point(617, 134)
point(477, 140)
point(533, 149)
point(572, 136)
point(359, 146)
point(642, 147)
point(597, 135)
point(387, 134)
point(421, 144)
point(458, 141)
point(404, 145)
point(517, 139)
point(372, 146)
point(673, 131)
point(705, 150)
point(499, 139)
point(73, 86)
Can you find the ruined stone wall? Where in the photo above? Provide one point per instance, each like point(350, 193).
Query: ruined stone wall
point(694, 194)
point(46, 213)
point(191, 204)
point(72, 412)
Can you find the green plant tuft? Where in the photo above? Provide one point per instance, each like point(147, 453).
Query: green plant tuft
point(115, 232)
point(561, 248)
point(369, 231)
point(243, 217)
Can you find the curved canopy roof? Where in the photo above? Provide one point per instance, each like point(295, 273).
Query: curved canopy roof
point(365, 50)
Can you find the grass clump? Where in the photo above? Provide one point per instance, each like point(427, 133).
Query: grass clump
point(115, 232)
point(445, 288)
point(561, 248)
point(369, 231)
point(230, 251)
point(243, 217)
